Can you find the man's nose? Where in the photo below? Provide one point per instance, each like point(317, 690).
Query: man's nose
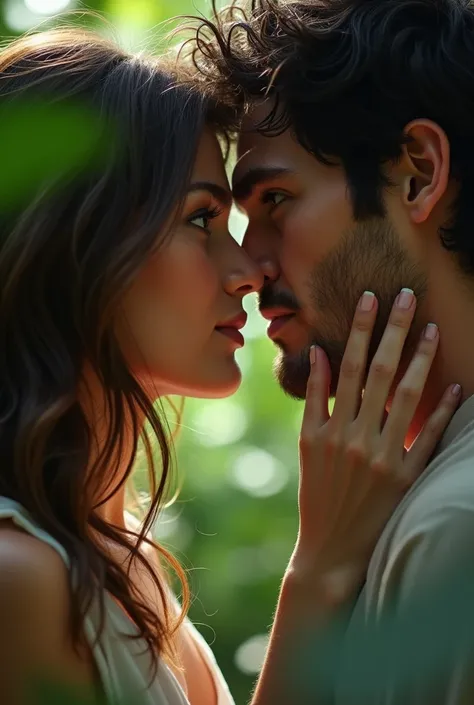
point(248, 278)
point(258, 247)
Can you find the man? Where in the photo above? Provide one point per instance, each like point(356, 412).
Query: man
point(355, 168)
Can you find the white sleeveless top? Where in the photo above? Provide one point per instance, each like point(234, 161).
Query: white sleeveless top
point(123, 664)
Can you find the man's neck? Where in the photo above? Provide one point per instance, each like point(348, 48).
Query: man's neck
point(450, 304)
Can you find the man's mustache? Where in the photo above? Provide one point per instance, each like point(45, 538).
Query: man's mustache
point(269, 297)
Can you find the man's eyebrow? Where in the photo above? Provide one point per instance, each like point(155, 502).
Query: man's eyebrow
point(220, 193)
point(243, 186)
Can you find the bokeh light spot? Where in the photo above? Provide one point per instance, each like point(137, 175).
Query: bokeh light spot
point(47, 7)
point(258, 473)
point(250, 655)
point(219, 423)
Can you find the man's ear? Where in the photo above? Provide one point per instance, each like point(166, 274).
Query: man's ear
point(425, 168)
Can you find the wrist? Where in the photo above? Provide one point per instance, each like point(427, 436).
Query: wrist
point(330, 588)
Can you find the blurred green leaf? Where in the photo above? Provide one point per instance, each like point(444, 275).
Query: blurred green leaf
point(140, 13)
point(43, 143)
point(46, 692)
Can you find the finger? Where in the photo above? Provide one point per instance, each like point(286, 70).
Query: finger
point(422, 449)
point(316, 409)
point(386, 360)
point(408, 393)
point(354, 362)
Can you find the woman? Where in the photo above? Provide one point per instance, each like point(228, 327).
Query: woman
point(119, 285)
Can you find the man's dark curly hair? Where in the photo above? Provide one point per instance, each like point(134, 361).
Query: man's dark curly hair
point(347, 76)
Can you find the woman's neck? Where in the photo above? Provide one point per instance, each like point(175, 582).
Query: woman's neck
point(96, 411)
point(113, 510)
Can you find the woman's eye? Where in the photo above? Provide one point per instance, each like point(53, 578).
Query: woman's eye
point(202, 221)
point(202, 218)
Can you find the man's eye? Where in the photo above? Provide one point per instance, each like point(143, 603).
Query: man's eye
point(274, 197)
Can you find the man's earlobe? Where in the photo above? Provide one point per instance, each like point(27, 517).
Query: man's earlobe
point(425, 164)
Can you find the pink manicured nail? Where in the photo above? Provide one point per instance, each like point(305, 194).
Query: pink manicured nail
point(312, 354)
point(367, 300)
point(456, 390)
point(431, 331)
point(405, 299)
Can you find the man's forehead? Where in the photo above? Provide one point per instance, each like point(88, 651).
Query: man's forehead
point(249, 133)
point(258, 112)
point(259, 156)
point(251, 141)
point(257, 152)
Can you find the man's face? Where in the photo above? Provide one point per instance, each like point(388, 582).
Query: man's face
point(317, 259)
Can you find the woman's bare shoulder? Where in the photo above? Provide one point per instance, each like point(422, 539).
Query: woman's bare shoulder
point(35, 614)
point(24, 557)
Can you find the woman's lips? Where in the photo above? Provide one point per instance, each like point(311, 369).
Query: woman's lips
point(232, 333)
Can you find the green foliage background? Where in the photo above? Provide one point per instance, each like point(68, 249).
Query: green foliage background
point(234, 524)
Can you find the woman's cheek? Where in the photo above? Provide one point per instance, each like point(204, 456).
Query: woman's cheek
point(200, 280)
point(175, 298)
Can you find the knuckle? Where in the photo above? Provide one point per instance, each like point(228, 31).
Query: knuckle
point(407, 393)
point(306, 440)
point(312, 385)
point(433, 426)
point(351, 368)
point(310, 437)
point(426, 349)
point(382, 370)
point(363, 324)
point(333, 444)
point(312, 389)
point(381, 467)
point(400, 320)
point(357, 452)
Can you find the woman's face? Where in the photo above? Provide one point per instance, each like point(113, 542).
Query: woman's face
point(179, 329)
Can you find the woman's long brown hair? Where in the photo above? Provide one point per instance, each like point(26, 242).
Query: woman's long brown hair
point(66, 257)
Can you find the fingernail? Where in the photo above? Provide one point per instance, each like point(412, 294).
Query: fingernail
point(367, 300)
point(456, 390)
point(430, 332)
point(405, 299)
point(312, 354)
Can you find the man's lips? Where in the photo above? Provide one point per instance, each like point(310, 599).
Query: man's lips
point(278, 323)
point(278, 317)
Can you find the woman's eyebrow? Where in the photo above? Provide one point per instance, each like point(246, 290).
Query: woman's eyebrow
point(220, 193)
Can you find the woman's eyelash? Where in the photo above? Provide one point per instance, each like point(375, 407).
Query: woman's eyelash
point(212, 213)
point(207, 214)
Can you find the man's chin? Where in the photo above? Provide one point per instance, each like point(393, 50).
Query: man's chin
point(292, 373)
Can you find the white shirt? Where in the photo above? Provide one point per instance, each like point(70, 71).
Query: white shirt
point(123, 664)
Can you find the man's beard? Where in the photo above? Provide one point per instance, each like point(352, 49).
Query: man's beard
point(369, 257)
